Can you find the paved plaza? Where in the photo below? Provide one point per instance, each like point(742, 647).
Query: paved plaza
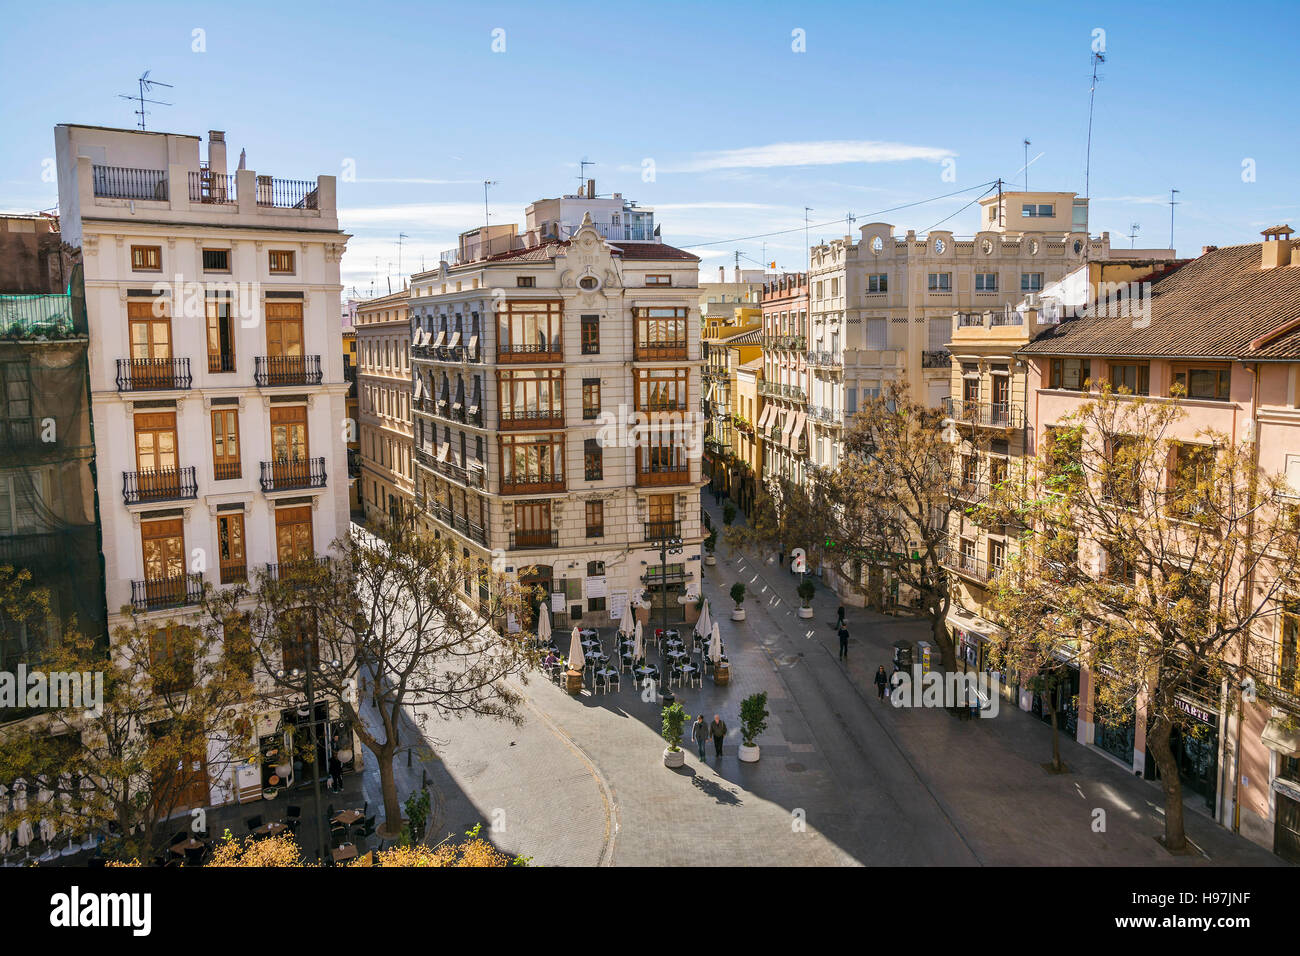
point(843, 779)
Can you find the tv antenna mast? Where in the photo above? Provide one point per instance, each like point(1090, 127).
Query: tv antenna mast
point(1097, 60)
point(582, 174)
point(487, 183)
point(400, 237)
point(1172, 203)
point(1026, 170)
point(1133, 233)
point(146, 86)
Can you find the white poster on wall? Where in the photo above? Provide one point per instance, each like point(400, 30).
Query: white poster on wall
point(512, 622)
point(557, 602)
point(596, 587)
point(617, 604)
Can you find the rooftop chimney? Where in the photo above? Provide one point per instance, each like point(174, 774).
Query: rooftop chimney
point(591, 189)
point(722, 273)
point(1276, 248)
point(217, 152)
point(1206, 250)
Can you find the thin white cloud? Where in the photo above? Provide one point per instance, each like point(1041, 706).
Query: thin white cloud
point(812, 153)
point(456, 216)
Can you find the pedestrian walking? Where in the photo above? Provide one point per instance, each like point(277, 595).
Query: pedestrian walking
point(719, 730)
point(700, 734)
point(839, 618)
point(336, 773)
point(844, 642)
point(882, 681)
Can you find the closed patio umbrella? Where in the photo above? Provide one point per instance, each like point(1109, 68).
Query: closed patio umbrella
point(625, 625)
point(703, 625)
point(639, 638)
point(20, 805)
point(544, 624)
point(577, 659)
point(715, 645)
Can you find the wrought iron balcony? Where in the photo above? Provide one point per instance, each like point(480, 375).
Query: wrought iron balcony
point(274, 370)
point(651, 475)
point(457, 522)
point(515, 418)
point(968, 566)
point(155, 594)
point(657, 532)
point(122, 182)
point(537, 538)
point(289, 474)
point(159, 484)
point(286, 193)
point(522, 484)
point(153, 375)
point(984, 414)
point(936, 358)
point(287, 570)
point(675, 350)
point(209, 187)
point(530, 352)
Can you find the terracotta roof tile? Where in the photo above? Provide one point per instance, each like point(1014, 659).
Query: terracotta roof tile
point(1214, 306)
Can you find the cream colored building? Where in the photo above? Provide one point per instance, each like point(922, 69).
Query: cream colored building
point(216, 370)
point(530, 355)
point(387, 480)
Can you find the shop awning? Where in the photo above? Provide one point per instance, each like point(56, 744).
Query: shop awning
point(473, 346)
point(971, 623)
point(419, 387)
point(788, 429)
point(1277, 737)
point(444, 450)
point(799, 422)
point(442, 335)
point(454, 340)
point(765, 415)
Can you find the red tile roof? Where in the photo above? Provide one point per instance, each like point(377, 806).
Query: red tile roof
point(1215, 306)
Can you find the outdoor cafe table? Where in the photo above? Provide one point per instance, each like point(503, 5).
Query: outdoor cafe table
point(676, 654)
point(346, 817)
point(342, 854)
point(607, 672)
point(271, 829)
point(645, 671)
point(688, 668)
point(588, 633)
point(180, 849)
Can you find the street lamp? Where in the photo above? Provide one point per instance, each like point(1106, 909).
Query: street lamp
point(293, 675)
point(670, 542)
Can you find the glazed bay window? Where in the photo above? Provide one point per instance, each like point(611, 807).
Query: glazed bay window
point(1072, 374)
point(1131, 379)
point(662, 464)
point(662, 389)
point(1208, 382)
point(660, 333)
point(529, 331)
point(595, 519)
point(593, 463)
point(531, 463)
point(531, 398)
point(532, 525)
point(878, 282)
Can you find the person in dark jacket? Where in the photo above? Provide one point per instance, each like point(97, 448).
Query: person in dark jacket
point(700, 734)
point(839, 618)
point(336, 773)
point(719, 730)
point(844, 642)
point(882, 681)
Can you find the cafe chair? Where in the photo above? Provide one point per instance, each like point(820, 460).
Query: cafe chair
point(598, 683)
point(338, 834)
point(612, 682)
point(697, 677)
point(252, 823)
point(675, 676)
point(364, 829)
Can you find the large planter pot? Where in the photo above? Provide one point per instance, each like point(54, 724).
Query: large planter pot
point(573, 682)
point(748, 754)
point(710, 560)
point(344, 756)
point(805, 612)
point(674, 758)
point(721, 675)
point(738, 614)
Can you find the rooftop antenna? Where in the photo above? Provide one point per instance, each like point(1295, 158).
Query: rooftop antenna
point(1026, 164)
point(1133, 233)
point(582, 174)
point(146, 86)
point(1172, 203)
point(486, 184)
point(807, 247)
point(850, 219)
point(400, 237)
point(1097, 60)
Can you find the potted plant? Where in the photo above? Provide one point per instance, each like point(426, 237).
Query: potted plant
point(674, 720)
point(728, 514)
point(806, 591)
point(753, 721)
point(417, 814)
point(710, 544)
point(738, 595)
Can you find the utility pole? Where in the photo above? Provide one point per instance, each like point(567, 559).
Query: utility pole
point(1172, 203)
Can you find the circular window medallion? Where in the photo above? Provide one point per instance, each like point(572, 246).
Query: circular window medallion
point(939, 246)
point(986, 247)
point(589, 283)
point(877, 245)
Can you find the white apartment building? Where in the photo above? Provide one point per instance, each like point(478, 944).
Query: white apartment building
point(882, 305)
point(530, 354)
point(387, 481)
point(216, 370)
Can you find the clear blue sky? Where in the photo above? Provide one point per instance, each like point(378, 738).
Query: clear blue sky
point(415, 95)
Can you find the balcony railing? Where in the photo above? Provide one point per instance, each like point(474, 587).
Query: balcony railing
point(661, 351)
point(822, 358)
point(936, 358)
point(41, 317)
point(221, 362)
point(984, 414)
point(530, 484)
point(286, 193)
point(824, 415)
point(226, 470)
point(649, 476)
point(531, 351)
point(121, 182)
point(155, 594)
point(209, 187)
point(658, 531)
point(457, 522)
point(273, 370)
point(288, 474)
point(514, 418)
point(969, 566)
point(286, 570)
point(18, 433)
point(153, 375)
point(159, 484)
point(234, 573)
point(543, 538)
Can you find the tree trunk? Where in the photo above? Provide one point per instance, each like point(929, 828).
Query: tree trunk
point(943, 641)
point(1056, 739)
point(1170, 782)
point(388, 786)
